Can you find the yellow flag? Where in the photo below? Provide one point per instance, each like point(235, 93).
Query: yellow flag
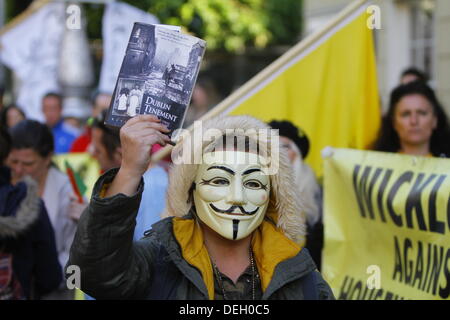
point(326, 85)
point(83, 164)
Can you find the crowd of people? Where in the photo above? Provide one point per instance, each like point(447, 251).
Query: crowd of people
point(39, 210)
point(217, 230)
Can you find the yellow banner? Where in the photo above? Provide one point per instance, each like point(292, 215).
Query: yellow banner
point(387, 225)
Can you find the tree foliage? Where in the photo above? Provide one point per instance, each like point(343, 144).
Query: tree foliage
point(231, 25)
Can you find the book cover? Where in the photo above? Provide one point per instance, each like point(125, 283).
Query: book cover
point(157, 76)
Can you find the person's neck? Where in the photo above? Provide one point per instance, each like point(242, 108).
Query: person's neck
point(231, 257)
point(416, 150)
point(58, 123)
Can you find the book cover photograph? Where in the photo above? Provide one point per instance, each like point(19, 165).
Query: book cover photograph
point(157, 76)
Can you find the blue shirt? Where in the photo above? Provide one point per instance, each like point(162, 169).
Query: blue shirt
point(63, 135)
point(152, 202)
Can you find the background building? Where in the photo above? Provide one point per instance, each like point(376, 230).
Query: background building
point(413, 33)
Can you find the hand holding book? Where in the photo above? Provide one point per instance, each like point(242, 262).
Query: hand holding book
point(137, 137)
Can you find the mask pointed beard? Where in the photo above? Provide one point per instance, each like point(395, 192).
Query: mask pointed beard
point(235, 228)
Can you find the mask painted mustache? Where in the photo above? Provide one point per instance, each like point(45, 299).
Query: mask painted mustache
point(232, 210)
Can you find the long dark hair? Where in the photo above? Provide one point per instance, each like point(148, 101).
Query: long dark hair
point(388, 139)
point(420, 75)
point(5, 145)
point(4, 115)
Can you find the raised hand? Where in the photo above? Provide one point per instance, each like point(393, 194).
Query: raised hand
point(137, 137)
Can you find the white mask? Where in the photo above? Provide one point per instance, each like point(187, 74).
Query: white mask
point(232, 192)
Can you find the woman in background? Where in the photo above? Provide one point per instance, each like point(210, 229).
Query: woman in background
point(28, 258)
point(10, 116)
point(415, 123)
point(31, 154)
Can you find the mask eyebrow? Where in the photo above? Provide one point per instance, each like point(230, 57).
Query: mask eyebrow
point(222, 168)
point(251, 171)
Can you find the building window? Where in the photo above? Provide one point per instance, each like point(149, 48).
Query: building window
point(422, 33)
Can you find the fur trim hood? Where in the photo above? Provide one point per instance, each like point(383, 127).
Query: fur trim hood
point(13, 225)
point(285, 206)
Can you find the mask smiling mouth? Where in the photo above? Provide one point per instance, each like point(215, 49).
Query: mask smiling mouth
point(232, 210)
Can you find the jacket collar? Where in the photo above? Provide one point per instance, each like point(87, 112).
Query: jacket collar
point(164, 233)
point(279, 259)
point(290, 270)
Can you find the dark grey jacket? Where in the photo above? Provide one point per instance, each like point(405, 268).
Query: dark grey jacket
point(114, 267)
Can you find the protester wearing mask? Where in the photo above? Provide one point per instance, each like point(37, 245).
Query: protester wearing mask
point(233, 231)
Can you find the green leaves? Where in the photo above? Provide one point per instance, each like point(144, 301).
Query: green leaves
point(232, 25)
point(229, 25)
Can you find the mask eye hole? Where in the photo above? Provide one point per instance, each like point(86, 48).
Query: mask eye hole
point(216, 182)
point(254, 184)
